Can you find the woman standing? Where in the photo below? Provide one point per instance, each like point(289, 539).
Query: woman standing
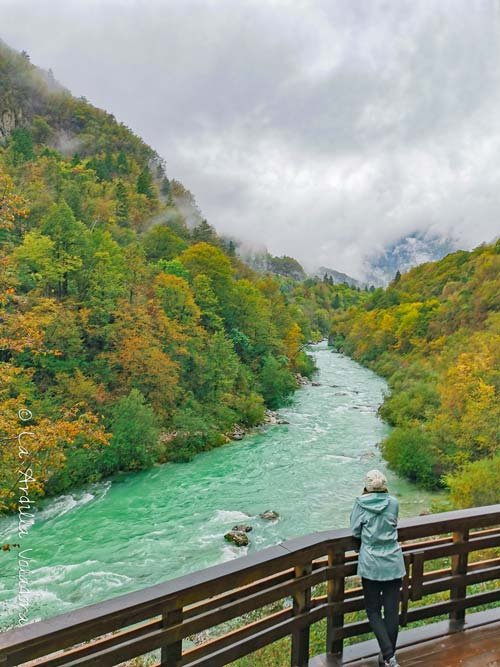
point(380, 564)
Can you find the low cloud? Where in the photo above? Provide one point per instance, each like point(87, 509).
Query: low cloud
point(321, 129)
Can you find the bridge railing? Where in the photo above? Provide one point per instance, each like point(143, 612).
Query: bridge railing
point(255, 600)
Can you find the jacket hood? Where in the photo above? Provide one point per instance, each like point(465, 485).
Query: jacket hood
point(373, 502)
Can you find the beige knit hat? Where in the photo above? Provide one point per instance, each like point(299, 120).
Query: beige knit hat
point(375, 481)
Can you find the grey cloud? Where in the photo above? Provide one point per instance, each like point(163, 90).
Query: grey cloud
point(324, 129)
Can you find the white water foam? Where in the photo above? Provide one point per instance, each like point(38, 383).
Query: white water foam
point(341, 458)
point(62, 505)
point(226, 516)
point(231, 553)
point(58, 573)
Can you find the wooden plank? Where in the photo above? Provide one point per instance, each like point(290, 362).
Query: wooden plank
point(251, 644)
point(223, 598)
point(335, 597)
point(243, 606)
point(428, 611)
point(99, 644)
point(459, 548)
point(405, 588)
point(475, 577)
point(417, 574)
point(301, 606)
point(459, 567)
point(413, 637)
point(171, 651)
point(237, 635)
point(480, 564)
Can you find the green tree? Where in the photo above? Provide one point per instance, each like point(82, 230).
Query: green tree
point(122, 202)
point(135, 432)
point(204, 232)
point(176, 298)
point(122, 165)
point(165, 187)
point(173, 267)
point(207, 301)
point(276, 381)
point(160, 242)
point(145, 183)
point(409, 452)
point(216, 371)
point(73, 197)
point(69, 236)
point(103, 277)
point(36, 263)
point(205, 258)
point(21, 145)
point(41, 130)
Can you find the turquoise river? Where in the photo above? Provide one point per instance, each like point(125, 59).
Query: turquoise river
point(139, 529)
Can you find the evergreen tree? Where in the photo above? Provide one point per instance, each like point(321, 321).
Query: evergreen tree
point(165, 187)
point(108, 166)
point(21, 144)
point(122, 205)
point(145, 183)
point(73, 197)
point(122, 165)
point(204, 232)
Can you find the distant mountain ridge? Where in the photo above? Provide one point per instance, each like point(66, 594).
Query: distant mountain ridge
point(338, 277)
point(405, 253)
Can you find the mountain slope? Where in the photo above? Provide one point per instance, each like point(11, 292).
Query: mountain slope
point(435, 334)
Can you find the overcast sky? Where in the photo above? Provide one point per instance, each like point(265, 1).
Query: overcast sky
point(322, 129)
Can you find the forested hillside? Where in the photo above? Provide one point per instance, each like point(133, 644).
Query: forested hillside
point(130, 332)
point(435, 334)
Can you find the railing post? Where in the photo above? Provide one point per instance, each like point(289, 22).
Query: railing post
point(171, 654)
point(335, 594)
point(405, 590)
point(458, 591)
point(300, 637)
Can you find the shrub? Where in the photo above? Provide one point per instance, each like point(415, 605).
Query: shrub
point(476, 483)
point(409, 452)
point(135, 435)
point(277, 382)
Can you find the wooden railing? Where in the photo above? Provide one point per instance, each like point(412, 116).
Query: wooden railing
point(164, 616)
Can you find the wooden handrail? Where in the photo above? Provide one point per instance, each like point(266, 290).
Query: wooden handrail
point(162, 616)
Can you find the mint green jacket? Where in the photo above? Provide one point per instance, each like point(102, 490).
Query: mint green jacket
point(374, 520)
